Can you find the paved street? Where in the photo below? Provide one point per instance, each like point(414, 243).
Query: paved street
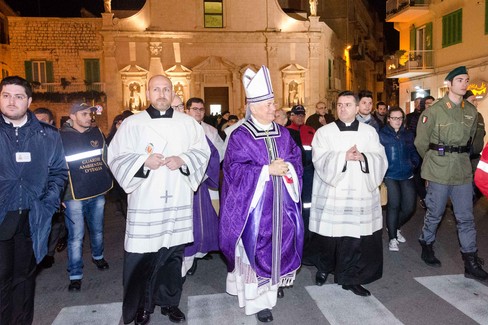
point(410, 292)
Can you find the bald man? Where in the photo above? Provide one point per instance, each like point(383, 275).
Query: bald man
point(159, 158)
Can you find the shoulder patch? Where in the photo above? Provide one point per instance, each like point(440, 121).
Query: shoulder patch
point(424, 119)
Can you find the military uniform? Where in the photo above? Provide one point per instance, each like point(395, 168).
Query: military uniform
point(453, 127)
point(444, 136)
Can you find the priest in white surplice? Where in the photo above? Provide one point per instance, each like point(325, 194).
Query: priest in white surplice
point(159, 158)
point(346, 213)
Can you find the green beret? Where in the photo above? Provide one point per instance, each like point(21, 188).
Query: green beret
point(456, 72)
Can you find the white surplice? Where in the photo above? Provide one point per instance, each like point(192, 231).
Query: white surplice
point(160, 211)
point(345, 198)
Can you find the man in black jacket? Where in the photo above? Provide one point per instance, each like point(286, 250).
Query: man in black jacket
point(33, 173)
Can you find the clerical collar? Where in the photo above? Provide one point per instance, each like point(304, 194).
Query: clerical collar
point(154, 113)
point(263, 127)
point(16, 124)
point(344, 127)
point(259, 131)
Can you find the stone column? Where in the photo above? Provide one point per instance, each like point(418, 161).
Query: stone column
point(155, 65)
point(312, 94)
point(112, 81)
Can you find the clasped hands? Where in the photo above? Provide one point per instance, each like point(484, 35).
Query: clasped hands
point(278, 167)
point(157, 160)
point(354, 154)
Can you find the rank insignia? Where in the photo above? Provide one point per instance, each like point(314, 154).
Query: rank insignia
point(424, 119)
point(149, 148)
point(448, 105)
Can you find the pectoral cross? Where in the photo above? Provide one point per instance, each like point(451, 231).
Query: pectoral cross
point(166, 197)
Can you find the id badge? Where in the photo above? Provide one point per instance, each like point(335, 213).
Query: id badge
point(22, 157)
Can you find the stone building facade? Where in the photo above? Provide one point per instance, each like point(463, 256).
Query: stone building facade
point(108, 61)
point(435, 37)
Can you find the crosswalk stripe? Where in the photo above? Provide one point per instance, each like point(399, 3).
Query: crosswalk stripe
point(102, 314)
point(343, 307)
point(217, 309)
point(467, 295)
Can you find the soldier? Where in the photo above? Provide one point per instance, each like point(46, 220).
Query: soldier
point(444, 136)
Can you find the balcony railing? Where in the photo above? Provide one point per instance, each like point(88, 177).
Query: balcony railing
point(55, 87)
point(410, 64)
point(405, 10)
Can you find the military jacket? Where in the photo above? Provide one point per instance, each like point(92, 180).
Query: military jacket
point(449, 124)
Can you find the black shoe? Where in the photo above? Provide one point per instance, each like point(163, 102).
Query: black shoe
point(357, 289)
point(320, 278)
point(472, 266)
point(281, 292)
point(61, 245)
point(47, 262)
point(265, 316)
point(174, 313)
point(428, 254)
point(142, 317)
point(74, 285)
point(193, 268)
point(101, 264)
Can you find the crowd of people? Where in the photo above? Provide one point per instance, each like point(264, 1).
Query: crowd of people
point(271, 192)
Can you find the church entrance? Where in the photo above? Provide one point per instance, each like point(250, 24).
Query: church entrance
point(216, 100)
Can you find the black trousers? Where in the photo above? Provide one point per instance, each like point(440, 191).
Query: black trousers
point(17, 270)
point(152, 279)
point(352, 260)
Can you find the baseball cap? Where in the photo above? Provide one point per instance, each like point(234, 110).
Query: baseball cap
point(298, 110)
point(80, 107)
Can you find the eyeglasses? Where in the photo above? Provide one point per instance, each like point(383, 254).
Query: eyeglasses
point(181, 106)
point(394, 118)
point(198, 109)
point(18, 97)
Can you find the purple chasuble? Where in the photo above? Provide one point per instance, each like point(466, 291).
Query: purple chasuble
point(205, 220)
point(272, 233)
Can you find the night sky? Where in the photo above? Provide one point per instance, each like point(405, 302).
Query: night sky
point(66, 8)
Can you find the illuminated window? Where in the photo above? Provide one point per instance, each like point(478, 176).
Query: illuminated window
point(213, 14)
point(452, 28)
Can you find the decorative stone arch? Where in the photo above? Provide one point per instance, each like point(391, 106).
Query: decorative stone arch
point(216, 71)
point(293, 77)
point(180, 77)
point(134, 86)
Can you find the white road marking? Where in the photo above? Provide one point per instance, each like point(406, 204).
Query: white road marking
point(103, 314)
point(467, 295)
point(217, 309)
point(343, 307)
